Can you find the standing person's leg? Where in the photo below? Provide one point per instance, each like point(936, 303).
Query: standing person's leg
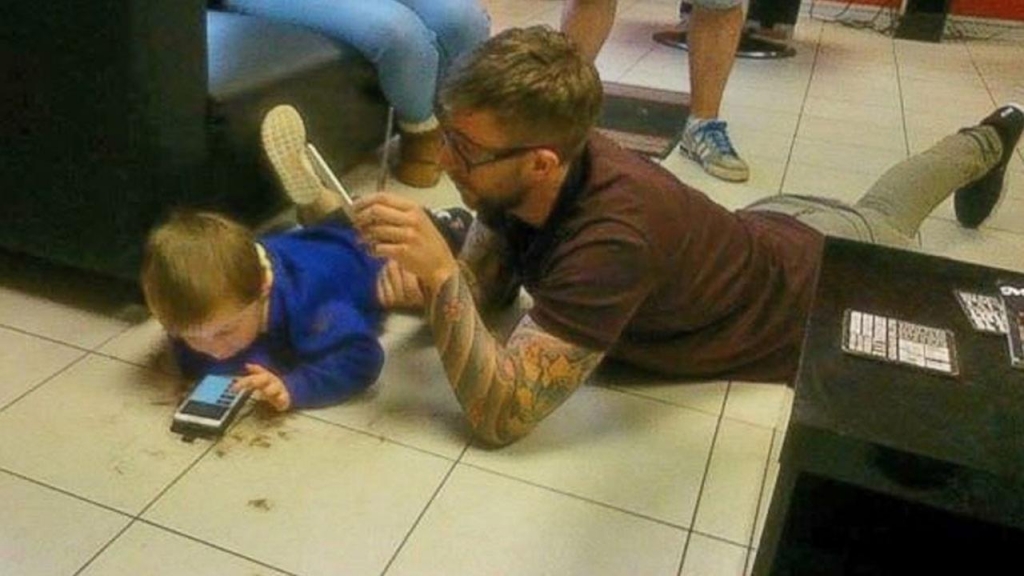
point(401, 48)
point(458, 25)
point(713, 34)
point(588, 23)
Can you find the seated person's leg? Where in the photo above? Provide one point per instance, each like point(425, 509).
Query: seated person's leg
point(401, 48)
point(460, 25)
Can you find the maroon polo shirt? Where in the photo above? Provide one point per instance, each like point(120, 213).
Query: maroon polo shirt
point(634, 263)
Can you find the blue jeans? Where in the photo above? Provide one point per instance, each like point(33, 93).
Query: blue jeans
point(408, 41)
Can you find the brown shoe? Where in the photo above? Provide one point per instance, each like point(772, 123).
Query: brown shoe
point(419, 158)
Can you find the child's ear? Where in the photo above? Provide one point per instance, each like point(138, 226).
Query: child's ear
point(268, 281)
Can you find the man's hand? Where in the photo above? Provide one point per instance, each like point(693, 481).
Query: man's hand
point(400, 230)
point(398, 289)
point(265, 386)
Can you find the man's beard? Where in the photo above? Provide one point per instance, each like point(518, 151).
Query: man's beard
point(496, 209)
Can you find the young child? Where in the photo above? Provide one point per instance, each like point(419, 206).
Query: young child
point(294, 315)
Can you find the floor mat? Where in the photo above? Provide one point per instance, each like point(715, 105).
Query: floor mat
point(643, 119)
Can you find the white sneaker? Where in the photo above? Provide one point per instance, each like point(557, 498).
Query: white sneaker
point(283, 135)
point(708, 144)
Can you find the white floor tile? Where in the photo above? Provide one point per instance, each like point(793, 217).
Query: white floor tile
point(732, 489)
point(774, 146)
point(853, 112)
point(934, 97)
point(852, 133)
point(987, 247)
point(788, 100)
point(110, 441)
point(146, 549)
point(143, 344)
point(758, 403)
point(25, 361)
point(708, 397)
point(412, 402)
point(1007, 217)
point(627, 452)
point(304, 496)
point(47, 532)
point(531, 531)
point(845, 185)
point(768, 488)
point(865, 92)
point(837, 155)
point(1013, 186)
point(661, 67)
point(711, 557)
point(65, 306)
point(615, 65)
point(760, 119)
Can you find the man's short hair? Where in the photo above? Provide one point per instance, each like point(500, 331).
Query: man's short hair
point(195, 262)
point(534, 80)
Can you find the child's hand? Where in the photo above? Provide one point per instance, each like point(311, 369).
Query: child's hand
point(398, 289)
point(265, 386)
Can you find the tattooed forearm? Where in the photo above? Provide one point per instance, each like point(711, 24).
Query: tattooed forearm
point(470, 279)
point(483, 261)
point(504, 390)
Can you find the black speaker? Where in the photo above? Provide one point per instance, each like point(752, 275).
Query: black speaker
point(923, 20)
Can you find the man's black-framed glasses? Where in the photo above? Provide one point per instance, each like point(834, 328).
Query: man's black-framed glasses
point(457, 141)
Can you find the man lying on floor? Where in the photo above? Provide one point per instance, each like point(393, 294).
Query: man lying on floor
point(621, 258)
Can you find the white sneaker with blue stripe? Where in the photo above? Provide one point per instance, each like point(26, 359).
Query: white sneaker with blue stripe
point(707, 142)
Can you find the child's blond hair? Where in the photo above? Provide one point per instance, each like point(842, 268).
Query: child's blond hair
point(196, 262)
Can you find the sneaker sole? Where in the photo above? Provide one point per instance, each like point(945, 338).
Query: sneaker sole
point(283, 135)
point(720, 173)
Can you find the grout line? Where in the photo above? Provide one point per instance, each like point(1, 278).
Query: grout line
point(423, 512)
point(113, 337)
point(104, 547)
point(703, 480)
point(760, 498)
point(636, 62)
point(984, 81)
point(43, 337)
point(379, 436)
point(800, 116)
point(51, 377)
point(65, 492)
point(212, 545)
point(621, 389)
point(903, 107)
point(582, 498)
point(176, 479)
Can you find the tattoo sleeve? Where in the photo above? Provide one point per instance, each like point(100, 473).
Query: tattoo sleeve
point(483, 265)
point(504, 390)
